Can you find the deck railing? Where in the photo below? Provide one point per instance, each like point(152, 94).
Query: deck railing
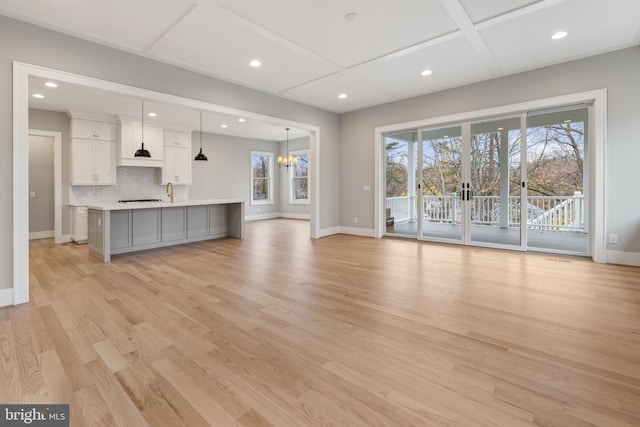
point(543, 212)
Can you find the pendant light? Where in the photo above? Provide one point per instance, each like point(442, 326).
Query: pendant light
point(288, 160)
point(142, 152)
point(201, 155)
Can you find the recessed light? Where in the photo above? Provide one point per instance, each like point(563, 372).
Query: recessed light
point(255, 63)
point(342, 96)
point(426, 73)
point(559, 35)
point(224, 126)
point(38, 95)
point(500, 128)
point(567, 121)
point(50, 84)
point(241, 120)
point(152, 114)
point(445, 136)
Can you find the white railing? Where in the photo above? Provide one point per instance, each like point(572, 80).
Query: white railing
point(543, 212)
point(399, 208)
point(556, 213)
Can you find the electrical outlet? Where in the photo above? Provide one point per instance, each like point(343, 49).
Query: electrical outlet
point(355, 219)
point(613, 238)
point(32, 194)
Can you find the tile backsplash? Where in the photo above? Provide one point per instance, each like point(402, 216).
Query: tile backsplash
point(132, 183)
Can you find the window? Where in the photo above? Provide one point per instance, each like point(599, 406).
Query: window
point(299, 176)
point(261, 178)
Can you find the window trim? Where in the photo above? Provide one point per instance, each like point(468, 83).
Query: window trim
point(271, 177)
point(292, 200)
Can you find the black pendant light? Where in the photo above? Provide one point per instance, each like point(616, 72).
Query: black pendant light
point(201, 155)
point(142, 152)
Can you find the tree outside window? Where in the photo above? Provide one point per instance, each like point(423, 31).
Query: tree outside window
point(299, 188)
point(261, 178)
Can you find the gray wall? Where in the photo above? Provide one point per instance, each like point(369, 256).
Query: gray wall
point(30, 44)
point(283, 188)
point(41, 210)
point(227, 172)
point(619, 72)
point(56, 122)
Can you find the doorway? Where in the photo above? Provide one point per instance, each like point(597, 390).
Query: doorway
point(45, 185)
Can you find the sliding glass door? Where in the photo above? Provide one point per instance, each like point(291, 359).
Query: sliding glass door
point(514, 182)
point(557, 150)
point(495, 177)
point(441, 182)
point(401, 154)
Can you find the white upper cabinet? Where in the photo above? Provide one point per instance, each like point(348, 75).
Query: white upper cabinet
point(89, 129)
point(176, 166)
point(93, 149)
point(130, 140)
point(174, 138)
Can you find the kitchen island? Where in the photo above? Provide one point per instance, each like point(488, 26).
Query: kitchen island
point(119, 228)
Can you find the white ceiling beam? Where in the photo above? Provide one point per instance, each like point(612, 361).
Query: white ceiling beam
point(524, 10)
point(152, 48)
point(462, 20)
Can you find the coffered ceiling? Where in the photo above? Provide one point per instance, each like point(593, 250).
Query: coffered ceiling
point(371, 50)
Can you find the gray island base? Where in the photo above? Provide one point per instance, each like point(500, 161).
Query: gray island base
point(121, 228)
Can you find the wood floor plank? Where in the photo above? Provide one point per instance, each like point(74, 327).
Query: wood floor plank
point(280, 330)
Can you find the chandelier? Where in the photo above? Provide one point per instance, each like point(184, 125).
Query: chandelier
point(288, 160)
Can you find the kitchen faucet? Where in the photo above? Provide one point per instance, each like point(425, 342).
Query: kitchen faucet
point(170, 194)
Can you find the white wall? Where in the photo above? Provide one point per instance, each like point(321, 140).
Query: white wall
point(618, 72)
point(41, 208)
point(33, 45)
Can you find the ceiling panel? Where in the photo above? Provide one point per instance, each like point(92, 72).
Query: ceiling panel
point(453, 62)
point(324, 93)
point(210, 40)
point(594, 26)
point(380, 27)
point(133, 25)
point(486, 9)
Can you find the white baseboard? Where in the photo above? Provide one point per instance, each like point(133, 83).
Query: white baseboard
point(295, 215)
point(6, 297)
point(324, 232)
point(365, 232)
point(261, 216)
point(623, 258)
point(41, 234)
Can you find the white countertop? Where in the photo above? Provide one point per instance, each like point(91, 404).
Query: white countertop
point(117, 206)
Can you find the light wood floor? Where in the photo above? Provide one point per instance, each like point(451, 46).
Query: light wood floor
point(278, 329)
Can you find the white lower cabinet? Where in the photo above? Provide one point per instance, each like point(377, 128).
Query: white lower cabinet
point(79, 224)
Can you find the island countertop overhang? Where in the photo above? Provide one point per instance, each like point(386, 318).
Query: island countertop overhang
point(119, 206)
